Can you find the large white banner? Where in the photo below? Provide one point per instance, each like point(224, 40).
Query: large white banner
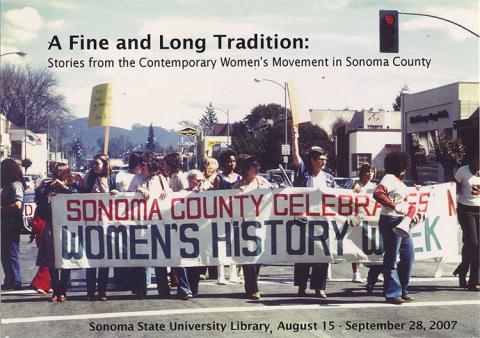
point(290, 225)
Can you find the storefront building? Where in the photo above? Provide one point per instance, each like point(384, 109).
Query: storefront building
point(450, 110)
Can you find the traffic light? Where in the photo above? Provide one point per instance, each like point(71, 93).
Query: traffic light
point(388, 31)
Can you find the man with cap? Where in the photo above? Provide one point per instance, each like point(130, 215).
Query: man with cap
point(311, 174)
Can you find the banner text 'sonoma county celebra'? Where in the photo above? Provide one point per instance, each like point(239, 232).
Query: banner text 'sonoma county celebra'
point(262, 226)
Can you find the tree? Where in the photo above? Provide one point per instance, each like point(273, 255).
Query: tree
point(150, 146)
point(32, 91)
point(449, 152)
point(397, 104)
point(262, 133)
point(208, 120)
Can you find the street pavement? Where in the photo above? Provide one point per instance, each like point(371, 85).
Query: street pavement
point(441, 309)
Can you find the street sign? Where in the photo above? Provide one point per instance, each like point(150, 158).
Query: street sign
point(188, 131)
point(286, 149)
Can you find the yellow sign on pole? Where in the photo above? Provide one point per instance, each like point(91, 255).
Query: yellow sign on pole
point(293, 105)
point(101, 106)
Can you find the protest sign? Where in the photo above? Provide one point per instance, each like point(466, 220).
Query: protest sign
point(278, 226)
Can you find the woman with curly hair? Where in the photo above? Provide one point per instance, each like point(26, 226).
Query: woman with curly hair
point(13, 187)
point(99, 180)
point(391, 193)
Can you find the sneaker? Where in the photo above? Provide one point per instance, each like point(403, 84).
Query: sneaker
point(254, 296)
point(236, 279)
point(103, 298)
point(396, 301)
point(357, 278)
point(408, 298)
point(188, 296)
point(320, 294)
point(203, 277)
point(221, 281)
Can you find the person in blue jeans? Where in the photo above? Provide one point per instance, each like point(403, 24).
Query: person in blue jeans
point(391, 193)
point(13, 187)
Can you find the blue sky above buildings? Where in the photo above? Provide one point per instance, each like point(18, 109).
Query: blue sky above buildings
point(334, 29)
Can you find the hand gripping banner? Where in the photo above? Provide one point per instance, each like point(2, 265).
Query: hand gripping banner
point(278, 226)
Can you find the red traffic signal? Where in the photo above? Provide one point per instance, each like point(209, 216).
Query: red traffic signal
point(389, 19)
point(388, 31)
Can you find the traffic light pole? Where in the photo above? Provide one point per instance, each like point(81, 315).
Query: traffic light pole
point(440, 18)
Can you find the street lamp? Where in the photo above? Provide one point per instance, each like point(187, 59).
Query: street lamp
point(285, 89)
point(227, 112)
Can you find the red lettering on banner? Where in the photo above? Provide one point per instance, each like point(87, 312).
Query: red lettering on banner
point(423, 201)
point(102, 209)
point(190, 214)
point(172, 208)
point(205, 209)
point(118, 209)
point(155, 209)
point(241, 198)
point(363, 205)
point(378, 206)
point(224, 206)
point(28, 210)
point(277, 212)
point(70, 203)
point(293, 205)
point(256, 203)
point(93, 217)
point(325, 205)
point(307, 202)
point(348, 205)
point(452, 208)
point(138, 203)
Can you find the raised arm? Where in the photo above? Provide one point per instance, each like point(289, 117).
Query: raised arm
point(295, 152)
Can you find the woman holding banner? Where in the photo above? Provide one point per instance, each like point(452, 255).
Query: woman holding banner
point(178, 182)
point(153, 185)
point(391, 193)
point(251, 180)
point(226, 179)
point(311, 174)
point(98, 180)
point(468, 178)
point(62, 183)
point(365, 185)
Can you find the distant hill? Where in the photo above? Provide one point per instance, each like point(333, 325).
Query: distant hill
point(137, 136)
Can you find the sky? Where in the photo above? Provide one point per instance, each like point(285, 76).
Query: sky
point(335, 29)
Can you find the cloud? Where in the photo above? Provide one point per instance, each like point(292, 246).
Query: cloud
point(21, 25)
point(63, 4)
point(56, 25)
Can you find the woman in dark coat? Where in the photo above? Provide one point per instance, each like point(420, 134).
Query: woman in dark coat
point(13, 187)
point(62, 183)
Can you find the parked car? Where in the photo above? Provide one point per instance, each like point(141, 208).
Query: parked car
point(29, 207)
point(345, 182)
point(29, 182)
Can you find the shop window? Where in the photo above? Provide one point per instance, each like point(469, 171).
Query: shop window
point(359, 159)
